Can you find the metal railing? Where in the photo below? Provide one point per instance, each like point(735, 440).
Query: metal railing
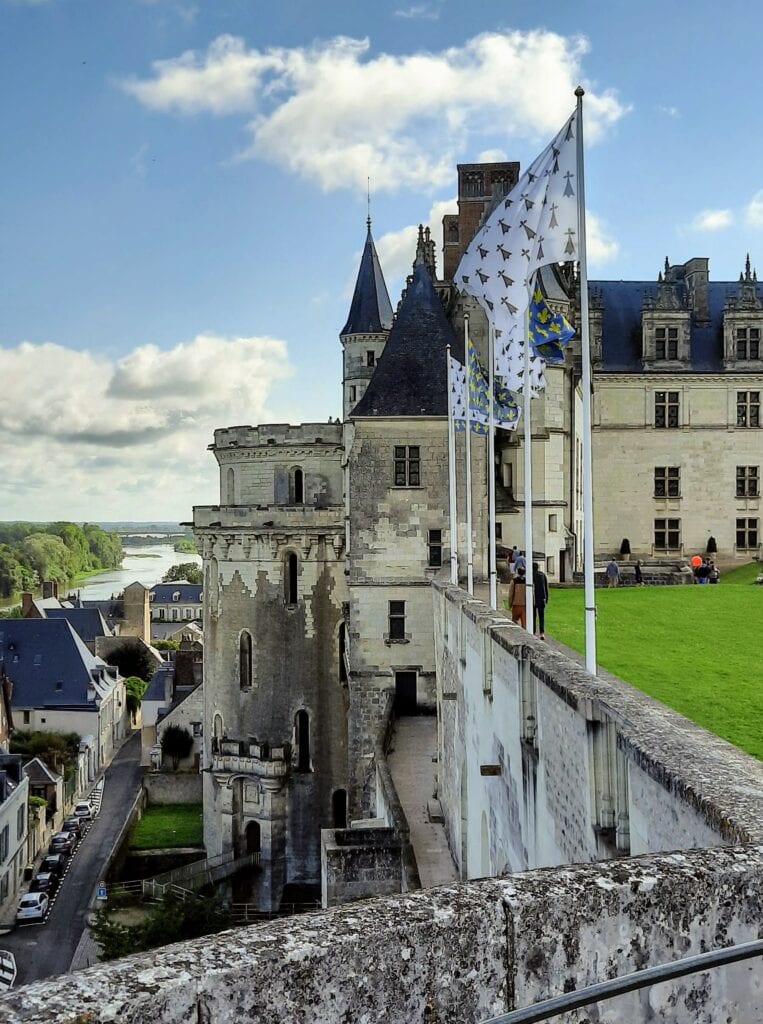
point(549, 1008)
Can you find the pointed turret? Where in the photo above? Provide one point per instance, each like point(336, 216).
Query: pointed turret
point(411, 378)
point(365, 333)
point(370, 309)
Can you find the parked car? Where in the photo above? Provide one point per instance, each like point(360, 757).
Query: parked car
point(74, 825)
point(84, 810)
point(33, 907)
point(63, 842)
point(55, 863)
point(44, 881)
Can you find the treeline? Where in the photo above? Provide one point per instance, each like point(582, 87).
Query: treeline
point(33, 552)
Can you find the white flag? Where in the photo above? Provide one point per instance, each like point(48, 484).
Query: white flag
point(535, 224)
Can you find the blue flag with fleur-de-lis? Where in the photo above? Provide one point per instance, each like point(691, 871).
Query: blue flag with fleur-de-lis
point(505, 408)
point(550, 333)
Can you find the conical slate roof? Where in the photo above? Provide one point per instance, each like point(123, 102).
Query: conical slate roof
point(411, 376)
point(370, 310)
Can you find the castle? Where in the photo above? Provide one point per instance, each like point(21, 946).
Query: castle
point(319, 558)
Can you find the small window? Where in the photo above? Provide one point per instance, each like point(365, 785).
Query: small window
point(27, 717)
point(667, 534)
point(666, 409)
point(302, 740)
point(176, 596)
point(552, 522)
point(748, 408)
point(667, 481)
point(298, 487)
point(397, 620)
point(435, 548)
point(499, 531)
point(747, 482)
point(407, 466)
point(188, 612)
point(231, 482)
point(550, 565)
point(292, 569)
point(245, 660)
point(20, 822)
point(4, 844)
point(59, 685)
point(370, 357)
point(353, 393)
point(339, 808)
point(747, 534)
point(196, 726)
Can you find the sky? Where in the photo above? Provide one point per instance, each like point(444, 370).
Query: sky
point(183, 195)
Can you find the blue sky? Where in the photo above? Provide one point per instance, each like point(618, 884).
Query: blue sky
point(183, 198)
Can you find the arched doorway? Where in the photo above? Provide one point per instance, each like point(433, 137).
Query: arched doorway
point(252, 836)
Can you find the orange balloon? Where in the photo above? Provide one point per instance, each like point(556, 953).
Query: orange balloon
point(696, 561)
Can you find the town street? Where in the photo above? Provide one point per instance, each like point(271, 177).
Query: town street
point(45, 949)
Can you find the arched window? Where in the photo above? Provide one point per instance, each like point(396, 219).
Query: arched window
point(302, 740)
point(291, 566)
point(217, 732)
point(245, 660)
point(231, 486)
point(297, 487)
point(339, 808)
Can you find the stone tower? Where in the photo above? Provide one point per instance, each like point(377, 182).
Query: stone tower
point(399, 539)
point(275, 715)
point(365, 333)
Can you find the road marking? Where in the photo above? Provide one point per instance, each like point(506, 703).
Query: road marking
point(7, 970)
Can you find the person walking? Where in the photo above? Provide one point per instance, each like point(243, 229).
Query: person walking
point(638, 575)
point(517, 598)
point(540, 600)
point(613, 573)
point(520, 562)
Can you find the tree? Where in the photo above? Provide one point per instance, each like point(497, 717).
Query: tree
point(59, 750)
point(171, 920)
point(135, 688)
point(190, 572)
point(177, 743)
point(132, 659)
point(49, 557)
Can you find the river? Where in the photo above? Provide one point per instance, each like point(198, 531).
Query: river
point(144, 563)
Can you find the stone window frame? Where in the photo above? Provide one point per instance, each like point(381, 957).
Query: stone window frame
point(667, 534)
point(245, 659)
point(749, 337)
point(396, 616)
point(666, 343)
point(747, 533)
point(407, 465)
point(301, 756)
point(434, 549)
point(667, 403)
point(353, 393)
point(291, 578)
point(667, 481)
point(370, 358)
point(748, 409)
point(748, 482)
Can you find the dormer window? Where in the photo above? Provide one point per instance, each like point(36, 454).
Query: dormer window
point(666, 343)
point(748, 343)
point(176, 596)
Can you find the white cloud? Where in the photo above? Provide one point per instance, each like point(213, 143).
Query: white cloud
point(754, 211)
point(601, 247)
point(669, 111)
point(130, 434)
point(425, 12)
point(334, 113)
point(712, 220)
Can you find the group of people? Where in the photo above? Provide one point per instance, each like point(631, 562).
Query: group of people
point(706, 572)
point(613, 573)
point(517, 596)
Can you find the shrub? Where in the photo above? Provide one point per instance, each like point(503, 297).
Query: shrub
point(177, 743)
point(712, 546)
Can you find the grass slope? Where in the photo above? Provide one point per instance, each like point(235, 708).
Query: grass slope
point(168, 827)
point(696, 649)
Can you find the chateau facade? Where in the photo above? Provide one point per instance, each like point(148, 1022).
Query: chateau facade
point(319, 558)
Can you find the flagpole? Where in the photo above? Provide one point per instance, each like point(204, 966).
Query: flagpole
point(588, 548)
point(491, 470)
point(452, 482)
point(469, 544)
point(527, 395)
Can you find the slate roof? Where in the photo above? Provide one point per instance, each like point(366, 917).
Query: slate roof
point(39, 774)
point(190, 593)
point(112, 610)
point(49, 664)
point(623, 303)
point(411, 378)
point(370, 309)
point(160, 687)
point(88, 623)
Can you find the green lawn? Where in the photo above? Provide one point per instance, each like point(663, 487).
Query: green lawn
point(166, 827)
point(697, 649)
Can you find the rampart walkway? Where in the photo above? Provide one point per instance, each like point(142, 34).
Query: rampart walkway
point(413, 771)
